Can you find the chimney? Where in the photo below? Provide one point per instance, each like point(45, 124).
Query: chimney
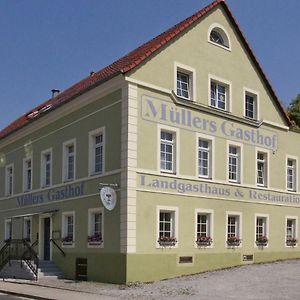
point(55, 92)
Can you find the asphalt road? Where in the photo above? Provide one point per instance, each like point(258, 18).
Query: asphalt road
point(9, 297)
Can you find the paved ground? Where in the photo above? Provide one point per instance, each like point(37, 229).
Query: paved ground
point(276, 281)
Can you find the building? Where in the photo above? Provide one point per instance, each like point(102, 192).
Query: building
point(188, 132)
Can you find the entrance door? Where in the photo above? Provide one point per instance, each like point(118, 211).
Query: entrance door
point(47, 239)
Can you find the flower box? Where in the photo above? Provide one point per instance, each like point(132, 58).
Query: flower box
point(166, 241)
point(262, 241)
point(203, 241)
point(95, 240)
point(233, 241)
point(67, 240)
point(291, 242)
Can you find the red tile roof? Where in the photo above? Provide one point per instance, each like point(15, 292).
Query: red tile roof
point(128, 63)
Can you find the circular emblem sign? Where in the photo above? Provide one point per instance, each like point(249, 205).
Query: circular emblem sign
point(108, 197)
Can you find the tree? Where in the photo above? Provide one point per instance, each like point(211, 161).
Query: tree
point(294, 112)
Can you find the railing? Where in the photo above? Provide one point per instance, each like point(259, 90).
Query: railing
point(30, 257)
point(5, 254)
point(58, 247)
point(19, 249)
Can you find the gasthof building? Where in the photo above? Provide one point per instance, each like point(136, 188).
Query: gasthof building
point(188, 133)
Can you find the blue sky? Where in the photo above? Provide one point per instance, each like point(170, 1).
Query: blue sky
point(55, 43)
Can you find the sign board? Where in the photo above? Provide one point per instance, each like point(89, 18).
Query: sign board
point(108, 197)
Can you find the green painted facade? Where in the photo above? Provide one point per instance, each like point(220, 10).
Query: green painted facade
point(134, 110)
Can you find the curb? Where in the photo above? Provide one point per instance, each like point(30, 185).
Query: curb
point(25, 295)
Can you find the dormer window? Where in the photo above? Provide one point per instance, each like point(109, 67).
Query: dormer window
point(218, 36)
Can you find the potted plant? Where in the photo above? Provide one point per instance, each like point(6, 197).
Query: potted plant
point(67, 240)
point(95, 239)
point(262, 241)
point(233, 241)
point(166, 241)
point(204, 241)
point(291, 241)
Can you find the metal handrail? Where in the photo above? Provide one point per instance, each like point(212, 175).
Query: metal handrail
point(19, 249)
point(58, 247)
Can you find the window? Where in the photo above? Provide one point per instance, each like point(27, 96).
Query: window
point(218, 95)
point(69, 160)
point(184, 81)
point(204, 220)
point(291, 175)
point(218, 36)
point(261, 169)
point(291, 231)
point(234, 228)
point(27, 229)
point(9, 180)
point(167, 226)
point(251, 106)
point(183, 85)
point(261, 229)
point(95, 233)
point(27, 174)
point(167, 151)
point(68, 228)
point(8, 229)
point(234, 163)
point(204, 158)
point(46, 168)
point(97, 151)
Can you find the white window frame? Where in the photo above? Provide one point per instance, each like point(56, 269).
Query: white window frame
point(266, 229)
point(255, 95)
point(64, 229)
point(210, 225)
point(25, 228)
point(176, 148)
point(175, 212)
point(43, 167)
point(189, 71)
point(65, 165)
point(240, 170)
point(9, 181)
point(228, 87)
point(91, 212)
point(295, 181)
point(92, 135)
point(6, 232)
point(267, 168)
point(211, 169)
point(25, 174)
point(239, 226)
point(294, 218)
point(219, 26)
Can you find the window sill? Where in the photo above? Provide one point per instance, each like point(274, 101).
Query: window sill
point(218, 45)
point(291, 244)
point(183, 98)
point(220, 109)
point(95, 244)
point(96, 173)
point(167, 172)
point(255, 120)
point(68, 244)
point(68, 180)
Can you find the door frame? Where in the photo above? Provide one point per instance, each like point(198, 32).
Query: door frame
point(41, 235)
